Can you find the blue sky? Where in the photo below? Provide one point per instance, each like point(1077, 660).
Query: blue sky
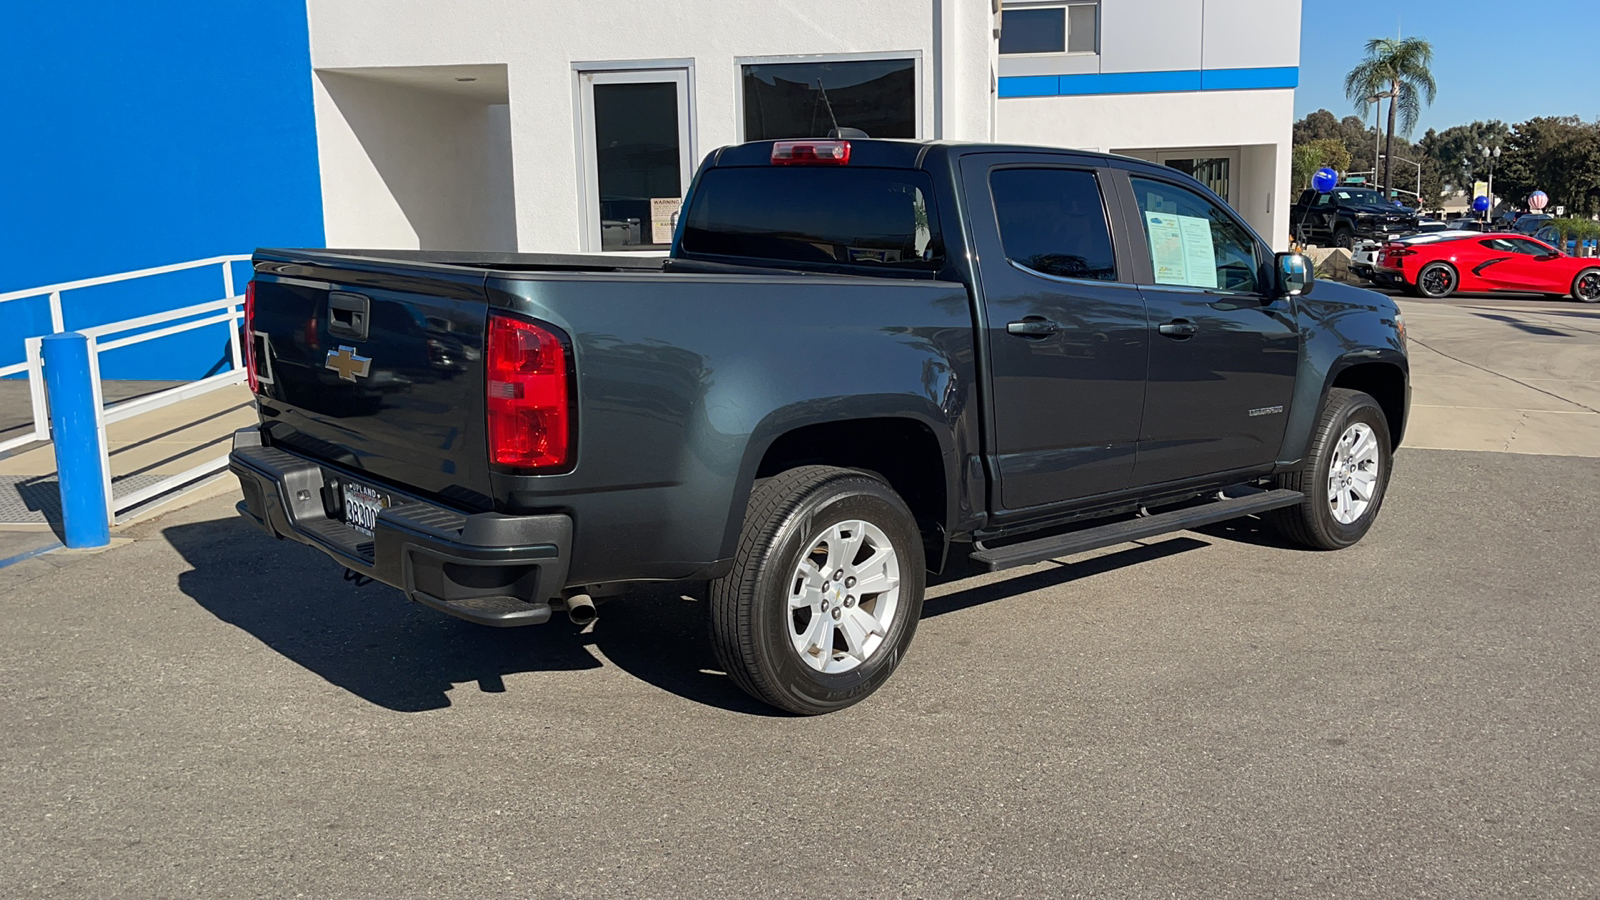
point(1478, 56)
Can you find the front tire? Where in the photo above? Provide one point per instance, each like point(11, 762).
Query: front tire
point(1344, 475)
point(1586, 287)
point(1437, 281)
point(825, 591)
point(1344, 238)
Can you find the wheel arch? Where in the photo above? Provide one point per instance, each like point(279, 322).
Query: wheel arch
point(1385, 381)
point(1572, 286)
point(912, 454)
point(1448, 263)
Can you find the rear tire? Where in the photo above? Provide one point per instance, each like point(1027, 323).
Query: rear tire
point(1437, 281)
point(825, 591)
point(1586, 286)
point(1340, 464)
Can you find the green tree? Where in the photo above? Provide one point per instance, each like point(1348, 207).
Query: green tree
point(1400, 70)
point(1308, 157)
point(1450, 158)
point(1559, 155)
point(1358, 138)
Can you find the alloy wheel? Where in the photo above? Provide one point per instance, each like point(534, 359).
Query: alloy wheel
point(1588, 289)
point(1353, 473)
point(1437, 281)
point(843, 597)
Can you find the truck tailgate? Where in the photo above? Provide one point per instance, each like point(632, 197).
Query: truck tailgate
point(376, 367)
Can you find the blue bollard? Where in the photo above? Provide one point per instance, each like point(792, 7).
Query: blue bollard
point(74, 427)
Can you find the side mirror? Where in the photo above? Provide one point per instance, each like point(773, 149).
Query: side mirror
point(1294, 274)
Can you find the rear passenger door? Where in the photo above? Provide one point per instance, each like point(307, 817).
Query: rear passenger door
point(1065, 329)
point(1223, 348)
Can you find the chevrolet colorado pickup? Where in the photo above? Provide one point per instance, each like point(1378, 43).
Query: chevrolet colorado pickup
point(860, 358)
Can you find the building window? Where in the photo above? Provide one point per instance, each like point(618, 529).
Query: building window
point(1032, 28)
point(877, 97)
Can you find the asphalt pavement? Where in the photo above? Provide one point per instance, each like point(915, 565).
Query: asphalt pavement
point(206, 712)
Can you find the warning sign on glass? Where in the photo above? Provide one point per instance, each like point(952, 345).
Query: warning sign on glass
point(663, 218)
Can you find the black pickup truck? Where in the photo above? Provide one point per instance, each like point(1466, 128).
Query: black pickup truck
point(860, 359)
point(1346, 215)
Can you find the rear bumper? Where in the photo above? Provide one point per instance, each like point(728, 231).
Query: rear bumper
point(1385, 275)
point(487, 568)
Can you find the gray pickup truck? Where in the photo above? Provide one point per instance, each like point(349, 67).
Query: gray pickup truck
point(860, 358)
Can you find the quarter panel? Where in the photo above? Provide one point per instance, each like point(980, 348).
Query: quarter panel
point(685, 379)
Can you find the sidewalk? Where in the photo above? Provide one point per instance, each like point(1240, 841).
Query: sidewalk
point(1514, 376)
point(143, 449)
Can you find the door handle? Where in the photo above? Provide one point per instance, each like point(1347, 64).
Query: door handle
point(1180, 329)
point(1032, 327)
point(349, 315)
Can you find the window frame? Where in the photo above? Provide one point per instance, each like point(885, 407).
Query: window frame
point(1119, 254)
point(1259, 248)
point(1066, 27)
point(918, 72)
point(583, 78)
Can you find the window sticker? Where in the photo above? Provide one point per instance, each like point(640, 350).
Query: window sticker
point(1181, 249)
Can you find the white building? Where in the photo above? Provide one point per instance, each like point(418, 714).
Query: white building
point(564, 125)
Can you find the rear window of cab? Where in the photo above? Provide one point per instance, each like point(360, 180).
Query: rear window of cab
point(828, 215)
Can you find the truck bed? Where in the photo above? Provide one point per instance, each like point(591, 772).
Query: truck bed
point(678, 391)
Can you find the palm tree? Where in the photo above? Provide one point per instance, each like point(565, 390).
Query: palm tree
point(1397, 69)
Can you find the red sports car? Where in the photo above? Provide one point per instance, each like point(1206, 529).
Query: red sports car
point(1488, 262)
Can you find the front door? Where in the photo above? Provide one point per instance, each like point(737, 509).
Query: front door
point(1066, 330)
point(1223, 350)
point(1520, 264)
point(637, 156)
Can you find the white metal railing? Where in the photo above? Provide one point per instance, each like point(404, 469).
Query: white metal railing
point(103, 338)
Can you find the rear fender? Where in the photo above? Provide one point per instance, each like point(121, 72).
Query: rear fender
point(844, 410)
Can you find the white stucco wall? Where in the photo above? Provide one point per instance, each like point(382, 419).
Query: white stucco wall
point(539, 42)
point(412, 168)
point(1179, 35)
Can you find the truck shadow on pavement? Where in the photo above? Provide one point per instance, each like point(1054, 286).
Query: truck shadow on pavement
point(405, 657)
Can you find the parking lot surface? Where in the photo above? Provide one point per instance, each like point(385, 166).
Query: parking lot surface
point(206, 712)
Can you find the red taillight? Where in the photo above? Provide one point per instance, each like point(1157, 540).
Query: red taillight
point(250, 337)
point(1396, 254)
point(810, 153)
point(529, 402)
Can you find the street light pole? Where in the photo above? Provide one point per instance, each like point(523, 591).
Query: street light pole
point(1491, 155)
point(1377, 133)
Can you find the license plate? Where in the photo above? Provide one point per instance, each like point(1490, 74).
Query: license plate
point(361, 506)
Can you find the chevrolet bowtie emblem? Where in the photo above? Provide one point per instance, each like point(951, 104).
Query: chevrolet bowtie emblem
point(348, 363)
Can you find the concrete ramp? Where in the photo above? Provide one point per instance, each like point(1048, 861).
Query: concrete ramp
point(143, 450)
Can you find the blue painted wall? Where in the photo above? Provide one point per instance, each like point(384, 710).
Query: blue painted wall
point(144, 134)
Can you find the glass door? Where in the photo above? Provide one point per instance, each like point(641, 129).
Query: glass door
point(1216, 169)
point(638, 157)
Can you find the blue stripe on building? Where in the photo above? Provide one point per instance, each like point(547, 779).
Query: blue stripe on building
point(146, 134)
point(1149, 82)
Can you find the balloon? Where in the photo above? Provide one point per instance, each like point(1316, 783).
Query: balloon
point(1324, 180)
point(1480, 203)
point(1538, 200)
